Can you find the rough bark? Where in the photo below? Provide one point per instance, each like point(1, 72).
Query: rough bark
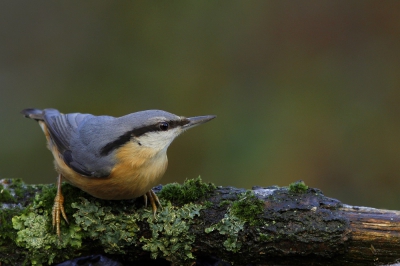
point(292, 225)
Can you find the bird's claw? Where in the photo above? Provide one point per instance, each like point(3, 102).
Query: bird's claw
point(58, 208)
point(152, 197)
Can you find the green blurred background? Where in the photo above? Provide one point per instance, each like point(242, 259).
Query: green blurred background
point(302, 89)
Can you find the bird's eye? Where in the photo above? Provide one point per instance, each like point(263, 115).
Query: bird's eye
point(164, 126)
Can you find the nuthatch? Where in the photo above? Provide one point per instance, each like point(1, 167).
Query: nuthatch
point(110, 158)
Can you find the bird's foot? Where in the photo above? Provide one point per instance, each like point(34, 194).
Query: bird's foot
point(153, 200)
point(58, 208)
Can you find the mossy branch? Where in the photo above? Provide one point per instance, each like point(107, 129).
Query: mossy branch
point(289, 225)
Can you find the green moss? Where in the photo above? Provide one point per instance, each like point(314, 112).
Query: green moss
point(248, 208)
point(171, 238)
point(298, 187)
point(5, 195)
point(224, 202)
point(208, 204)
point(15, 191)
point(16, 182)
point(191, 190)
point(7, 235)
point(18, 186)
point(6, 228)
point(8, 209)
point(44, 200)
point(265, 237)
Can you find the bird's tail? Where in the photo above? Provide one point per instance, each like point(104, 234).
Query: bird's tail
point(33, 113)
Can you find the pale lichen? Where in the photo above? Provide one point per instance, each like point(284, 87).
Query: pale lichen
point(230, 226)
point(171, 237)
point(114, 228)
point(33, 234)
point(245, 209)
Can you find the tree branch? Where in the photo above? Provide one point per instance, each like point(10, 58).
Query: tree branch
point(264, 226)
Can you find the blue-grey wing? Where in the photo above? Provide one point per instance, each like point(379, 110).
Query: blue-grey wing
point(63, 130)
point(80, 138)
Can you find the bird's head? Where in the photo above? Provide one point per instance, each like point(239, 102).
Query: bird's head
point(152, 130)
point(158, 129)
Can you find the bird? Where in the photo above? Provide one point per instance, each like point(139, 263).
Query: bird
point(110, 158)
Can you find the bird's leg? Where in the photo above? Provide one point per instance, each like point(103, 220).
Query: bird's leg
point(145, 200)
point(58, 207)
point(156, 198)
point(153, 200)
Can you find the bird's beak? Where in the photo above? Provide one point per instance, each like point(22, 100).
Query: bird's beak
point(197, 120)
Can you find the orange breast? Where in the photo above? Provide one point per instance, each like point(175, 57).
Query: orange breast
point(138, 169)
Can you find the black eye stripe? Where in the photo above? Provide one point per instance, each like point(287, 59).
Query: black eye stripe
point(156, 127)
point(109, 147)
point(121, 140)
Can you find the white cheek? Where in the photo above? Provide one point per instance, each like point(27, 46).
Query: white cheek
point(159, 140)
